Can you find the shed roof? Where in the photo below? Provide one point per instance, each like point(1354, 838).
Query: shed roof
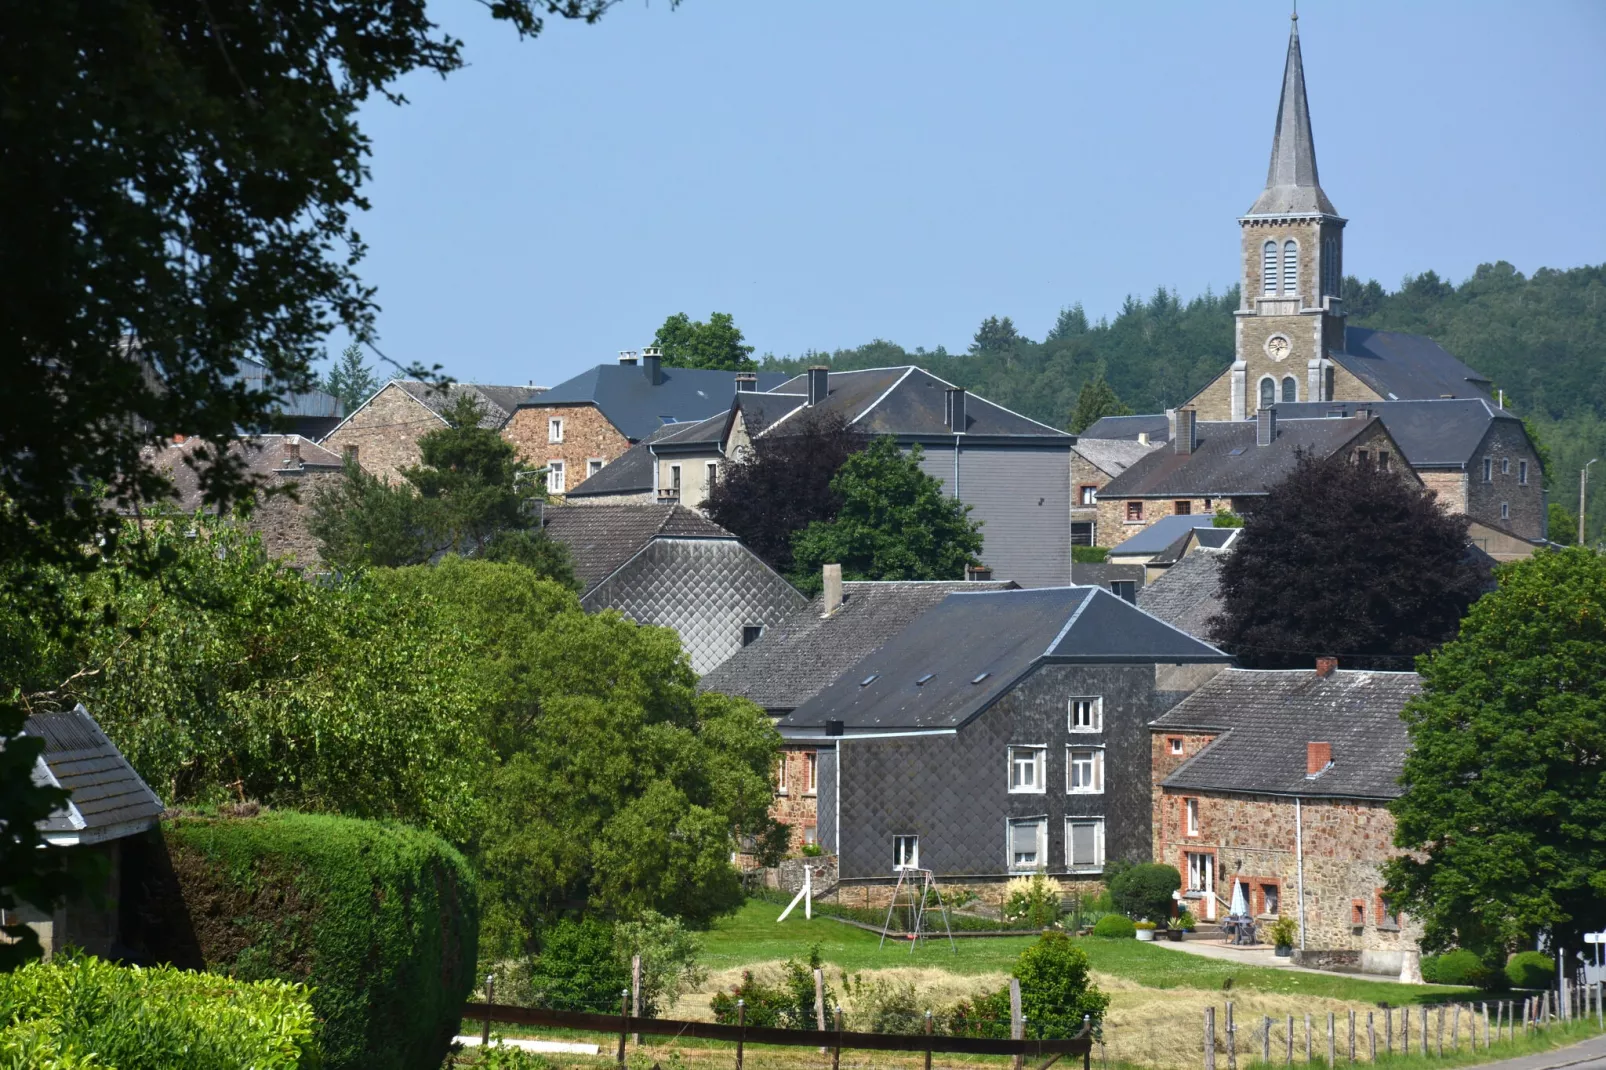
point(109, 799)
point(600, 538)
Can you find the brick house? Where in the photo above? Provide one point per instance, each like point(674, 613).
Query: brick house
point(1279, 781)
point(795, 658)
point(1094, 462)
point(383, 432)
point(583, 424)
point(1001, 732)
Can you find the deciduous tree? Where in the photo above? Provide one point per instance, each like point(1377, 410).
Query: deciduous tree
point(717, 344)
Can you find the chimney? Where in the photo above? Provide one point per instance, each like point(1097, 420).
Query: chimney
point(819, 383)
point(1318, 756)
point(1143, 438)
point(292, 451)
point(746, 382)
point(978, 572)
point(1325, 666)
point(348, 453)
point(832, 575)
point(1184, 435)
point(1265, 427)
point(651, 363)
point(627, 357)
point(956, 410)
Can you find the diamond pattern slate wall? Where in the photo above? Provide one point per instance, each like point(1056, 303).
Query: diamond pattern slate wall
point(825, 801)
point(953, 791)
point(705, 589)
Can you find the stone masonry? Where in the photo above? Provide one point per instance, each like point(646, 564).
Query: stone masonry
point(385, 432)
point(796, 802)
point(587, 436)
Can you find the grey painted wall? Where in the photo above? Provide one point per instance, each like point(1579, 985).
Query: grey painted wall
point(1023, 497)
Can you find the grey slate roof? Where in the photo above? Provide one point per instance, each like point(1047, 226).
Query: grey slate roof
point(1112, 456)
point(911, 401)
point(601, 538)
point(1268, 717)
point(626, 395)
point(1292, 186)
point(972, 648)
point(498, 403)
point(1404, 367)
point(1102, 574)
point(1162, 533)
point(1155, 424)
point(628, 473)
point(798, 656)
point(264, 455)
point(1227, 462)
point(1187, 594)
point(109, 800)
point(1431, 434)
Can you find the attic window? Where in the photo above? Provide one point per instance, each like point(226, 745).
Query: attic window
point(980, 677)
point(1236, 452)
point(868, 680)
point(924, 678)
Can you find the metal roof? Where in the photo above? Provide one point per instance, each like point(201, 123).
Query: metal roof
point(909, 400)
point(1155, 424)
point(109, 799)
point(1431, 434)
point(627, 396)
point(1162, 533)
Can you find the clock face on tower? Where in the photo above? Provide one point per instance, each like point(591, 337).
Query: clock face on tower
point(1277, 347)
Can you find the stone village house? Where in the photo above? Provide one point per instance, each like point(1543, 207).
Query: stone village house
point(382, 433)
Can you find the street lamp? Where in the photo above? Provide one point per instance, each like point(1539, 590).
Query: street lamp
point(1583, 484)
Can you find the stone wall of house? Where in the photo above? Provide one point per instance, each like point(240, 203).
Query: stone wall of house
point(1507, 447)
point(1450, 485)
point(385, 431)
point(694, 482)
point(877, 893)
point(283, 521)
point(588, 436)
point(797, 797)
point(1114, 528)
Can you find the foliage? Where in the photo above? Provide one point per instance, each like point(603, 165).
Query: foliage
point(1090, 555)
point(883, 1005)
point(895, 523)
point(1460, 967)
point(578, 968)
point(669, 952)
point(1185, 920)
point(379, 920)
point(30, 875)
point(1115, 926)
point(1144, 890)
point(1224, 519)
point(1283, 932)
point(362, 521)
point(787, 1005)
point(1561, 527)
point(1057, 989)
point(986, 1014)
point(1036, 899)
point(717, 344)
point(1531, 969)
point(783, 483)
point(501, 1056)
point(812, 850)
point(1095, 401)
point(1503, 798)
point(996, 336)
point(543, 556)
point(351, 380)
point(79, 1013)
point(1346, 559)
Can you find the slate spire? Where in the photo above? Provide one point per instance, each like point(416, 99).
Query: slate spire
point(1291, 182)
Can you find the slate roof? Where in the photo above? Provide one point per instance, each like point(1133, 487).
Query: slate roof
point(1227, 462)
point(1268, 717)
point(1162, 533)
point(601, 538)
point(626, 395)
point(1437, 433)
point(264, 455)
point(498, 403)
point(1405, 367)
point(973, 647)
point(911, 401)
point(1187, 594)
point(1156, 424)
point(109, 800)
point(628, 473)
point(1292, 185)
point(798, 656)
point(1112, 456)
point(1102, 574)
point(1193, 537)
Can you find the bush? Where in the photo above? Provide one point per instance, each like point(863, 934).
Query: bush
point(1115, 926)
point(1283, 932)
point(81, 1012)
point(1186, 921)
point(789, 1005)
point(1460, 967)
point(1034, 900)
point(578, 968)
point(1144, 890)
point(1531, 969)
point(1090, 555)
point(381, 921)
point(882, 1005)
point(1056, 991)
point(669, 953)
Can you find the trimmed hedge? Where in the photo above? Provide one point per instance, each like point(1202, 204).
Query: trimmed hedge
point(1531, 969)
point(1460, 967)
point(78, 1011)
point(381, 920)
point(1115, 926)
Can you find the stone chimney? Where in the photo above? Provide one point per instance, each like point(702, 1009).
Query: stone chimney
point(1265, 427)
point(832, 596)
point(652, 363)
point(819, 383)
point(955, 411)
point(292, 451)
point(746, 382)
point(1318, 756)
point(348, 453)
point(627, 357)
point(1325, 665)
point(1185, 433)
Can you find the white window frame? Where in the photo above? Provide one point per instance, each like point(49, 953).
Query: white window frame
point(1039, 762)
point(711, 472)
point(1270, 268)
point(1290, 267)
point(1098, 845)
point(1094, 762)
point(1176, 745)
point(1041, 861)
point(811, 772)
point(905, 851)
point(1505, 466)
point(1265, 381)
point(1088, 494)
point(594, 465)
point(557, 476)
point(780, 776)
point(554, 429)
point(1522, 473)
point(1190, 817)
point(1505, 510)
point(1095, 711)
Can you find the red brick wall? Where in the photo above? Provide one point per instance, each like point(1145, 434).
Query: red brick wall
point(797, 806)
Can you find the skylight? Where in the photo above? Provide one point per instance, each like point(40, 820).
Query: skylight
point(1236, 452)
point(980, 677)
point(924, 678)
point(868, 680)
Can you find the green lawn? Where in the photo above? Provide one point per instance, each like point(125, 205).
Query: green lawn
point(752, 935)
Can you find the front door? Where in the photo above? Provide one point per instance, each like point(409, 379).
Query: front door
point(1202, 880)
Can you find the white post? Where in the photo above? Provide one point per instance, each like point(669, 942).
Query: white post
point(796, 899)
point(808, 893)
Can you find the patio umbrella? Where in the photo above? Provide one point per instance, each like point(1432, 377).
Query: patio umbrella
point(1240, 905)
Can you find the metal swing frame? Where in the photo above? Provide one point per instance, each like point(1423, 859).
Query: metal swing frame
point(910, 876)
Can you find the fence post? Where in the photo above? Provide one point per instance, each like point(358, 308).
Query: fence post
point(1017, 1021)
point(1265, 1041)
point(928, 1040)
point(1232, 1040)
point(1440, 1029)
point(490, 1004)
point(819, 1002)
point(1405, 1031)
point(836, 1050)
point(741, 1023)
point(624, 1021)
point(635, 994)
point(1425, 1031)
point(1289, 1060)
point(1351, 1036)
point(1087, 1031)
point(1371, 1037)
point(1307, 1037)
point(1210, 1038)
point(1455, 1029)
point(1332, 1042)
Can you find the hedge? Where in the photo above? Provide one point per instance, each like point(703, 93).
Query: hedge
point(380, 920)
point(78, 1011)
point(1460, 967)
point(1115, 926)
point(1531, 969)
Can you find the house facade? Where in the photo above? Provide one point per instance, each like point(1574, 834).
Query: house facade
point(1094, 462)
point(382, 433)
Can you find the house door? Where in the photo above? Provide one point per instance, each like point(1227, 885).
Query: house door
point(1202, 880)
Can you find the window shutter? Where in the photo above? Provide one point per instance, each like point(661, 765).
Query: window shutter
point(1290, 268)
point(1268, 267)
point(1084, 844)
point(1023, 837)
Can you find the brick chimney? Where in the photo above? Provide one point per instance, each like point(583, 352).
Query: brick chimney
point(292, 451)
point(978, 572)
point(1265, 427)
point(1318, 756)
point(1325, 665)
point(832, 596)
point(1185, 438)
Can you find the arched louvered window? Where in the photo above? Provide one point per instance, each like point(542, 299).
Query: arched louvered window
point(1290, 390)
point(1268, 268)
point(1290, 268)
point(1268, 393)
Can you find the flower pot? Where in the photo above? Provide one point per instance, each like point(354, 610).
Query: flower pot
point(1146, 934)
point(1174, 935)
point(1284, 951)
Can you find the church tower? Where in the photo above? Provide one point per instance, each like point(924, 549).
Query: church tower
point(1291, 315)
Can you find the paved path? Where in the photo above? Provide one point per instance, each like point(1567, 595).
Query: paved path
point(1261, 955)
point(1585, 1055)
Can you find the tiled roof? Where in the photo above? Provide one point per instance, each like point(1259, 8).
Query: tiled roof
point(1268, 717)
point(1437, 433)
point(628, 473)
point(1102, 574)
point(498, 403)
point(1187, 594)
point(797, 656)
point(1112, 456)
point(600, 538)
point(1155, 425)
point(109, 800)
point(264, 455)
point(1404, 367)
point(627, 396)
point(1227, 461)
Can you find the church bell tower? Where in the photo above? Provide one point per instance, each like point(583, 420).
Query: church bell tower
point(1291, 316)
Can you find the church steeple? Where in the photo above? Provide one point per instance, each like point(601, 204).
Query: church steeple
point(1292, 187)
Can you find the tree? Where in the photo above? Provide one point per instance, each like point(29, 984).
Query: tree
point(1561, 527)
point(1345, 559)
point(1070, 323)
point(1504, 790)
point(351, 380)
point(1094, 402)
point(995, 336)
point(895, 523)
point(716, 344)
point(783, 484)
point(1057, 988)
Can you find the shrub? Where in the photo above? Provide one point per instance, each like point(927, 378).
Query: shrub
point(1145, 926)
point(668, 953)
point(1035, 900)
point(379, 920)
point(1144, 890)
point(984, 1015)
point(1460, 967)
point(1090, 555)
point(81, 1012)
point(1283, 932)
point(1531, 969)
point(789, 1005)
point(1186, 920)
point(1056, 990)
point(578, 968)
point(1115, 926)
point(882, 1005)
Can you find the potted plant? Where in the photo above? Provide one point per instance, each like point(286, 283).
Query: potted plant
point(1184, 922)
point(1282, 934)
point(1145, 929)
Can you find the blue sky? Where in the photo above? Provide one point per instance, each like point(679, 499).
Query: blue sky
point(832, 172)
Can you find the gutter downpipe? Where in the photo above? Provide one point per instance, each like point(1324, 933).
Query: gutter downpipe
point(1299, 863)
point(956, 470)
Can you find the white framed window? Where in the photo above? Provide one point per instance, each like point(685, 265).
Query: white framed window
point(554, 429)
point(1176, 744)
point(810, 835)
point(906, 852)
point(780, 775)
point(1268, 268)
point(1084, 770)
point(593, 466)
point(1268, 392)
point(674, 481)
point(1088, 494)
point(1084, 843)
point(556, 482)
point(1026, 768)
point(1126, 590)
point(1190, 816)
point(713, 474)
point(1028, 843)
point(1522, 472)
point(1505, 510)
point(811, 772)
point(1086, 715)
point(752, 633)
